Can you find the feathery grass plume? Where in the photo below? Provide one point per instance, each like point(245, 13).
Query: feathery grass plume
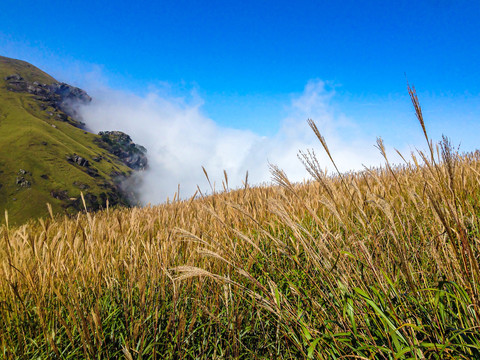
point(320, 137)
point(208, 179)
point(225, 184)
point(418, 113)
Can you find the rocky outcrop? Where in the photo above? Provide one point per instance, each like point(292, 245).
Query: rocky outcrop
point(21, 180)
point(96, 202)
point(77, 159)
point(67, 92)
point(80, 185)
point(59, 96)
point(84, 163)
point(92, 202)
point(122, 146)
point(59, 194)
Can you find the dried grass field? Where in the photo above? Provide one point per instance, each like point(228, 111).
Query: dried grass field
point(378, 264)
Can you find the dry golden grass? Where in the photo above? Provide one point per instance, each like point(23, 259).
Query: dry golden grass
point(381, 263)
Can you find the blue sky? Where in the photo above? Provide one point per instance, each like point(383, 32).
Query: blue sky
point(251, 51)
point(247, 61)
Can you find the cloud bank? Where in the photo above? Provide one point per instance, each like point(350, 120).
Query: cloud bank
point(180, 139)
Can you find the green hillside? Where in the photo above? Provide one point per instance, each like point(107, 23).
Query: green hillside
point(43, 152)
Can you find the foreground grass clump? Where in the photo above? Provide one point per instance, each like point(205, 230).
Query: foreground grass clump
point(378, 264)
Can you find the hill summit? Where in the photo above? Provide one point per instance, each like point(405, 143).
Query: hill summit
point(47, 155)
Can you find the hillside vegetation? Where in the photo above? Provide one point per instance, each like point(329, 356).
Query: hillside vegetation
point(39, 146)
point(378, 264)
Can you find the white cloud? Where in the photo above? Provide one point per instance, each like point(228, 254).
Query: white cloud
point(180, 140)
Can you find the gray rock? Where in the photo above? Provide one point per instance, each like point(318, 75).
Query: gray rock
point(60, 96)
point(80, 185)
point(22, 182)
point(14, 77)
point(92, 172)
point(121, 145)
point(59, 194)
point(68, 92)
point(77, 159)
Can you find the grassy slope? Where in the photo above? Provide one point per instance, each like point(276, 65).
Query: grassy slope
point(24, 128)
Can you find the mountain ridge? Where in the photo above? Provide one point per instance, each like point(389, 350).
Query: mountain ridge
point(48, 156)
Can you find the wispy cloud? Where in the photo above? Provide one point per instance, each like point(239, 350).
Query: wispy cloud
point(180, 139)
